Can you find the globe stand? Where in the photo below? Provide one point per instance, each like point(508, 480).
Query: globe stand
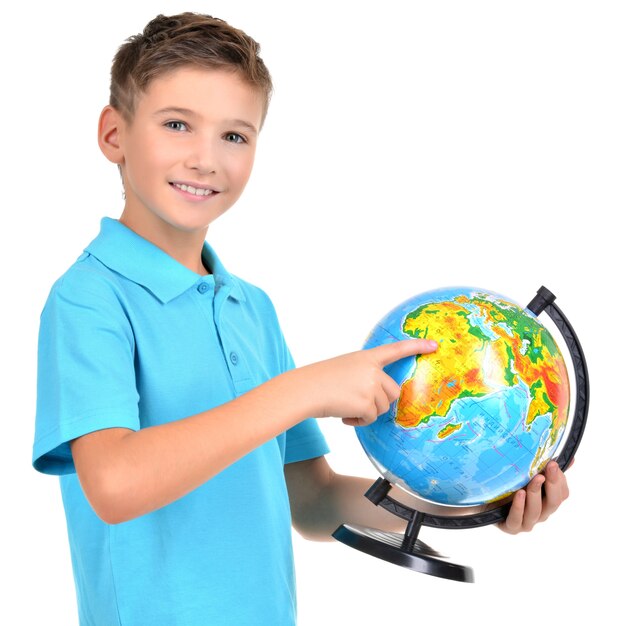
point(404, 550)
point(407, 550)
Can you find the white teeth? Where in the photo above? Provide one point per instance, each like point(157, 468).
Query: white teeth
point(193, 190)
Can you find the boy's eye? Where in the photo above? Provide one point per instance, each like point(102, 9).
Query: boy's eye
point(235, 138)
point(176, 125)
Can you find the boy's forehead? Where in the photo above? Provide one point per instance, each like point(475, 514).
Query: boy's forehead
point(200, 90)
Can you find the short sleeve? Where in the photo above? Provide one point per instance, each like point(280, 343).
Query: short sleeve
point(305, 440)
point(85, 369)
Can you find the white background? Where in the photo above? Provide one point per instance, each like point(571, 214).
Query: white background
point(408, 146)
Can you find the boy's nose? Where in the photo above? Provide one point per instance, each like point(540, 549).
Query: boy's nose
point(203, 158)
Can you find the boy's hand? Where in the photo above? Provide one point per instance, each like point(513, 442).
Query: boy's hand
point(530, 506)
point(355, 387)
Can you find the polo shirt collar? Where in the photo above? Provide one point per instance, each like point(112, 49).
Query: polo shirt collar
point(125, 252)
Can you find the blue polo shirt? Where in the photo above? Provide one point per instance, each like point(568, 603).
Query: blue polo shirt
point(131, 338)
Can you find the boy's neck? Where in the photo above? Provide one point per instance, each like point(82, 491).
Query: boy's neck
point(184, 247)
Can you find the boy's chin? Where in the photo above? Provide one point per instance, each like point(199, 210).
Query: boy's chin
point(187, 225)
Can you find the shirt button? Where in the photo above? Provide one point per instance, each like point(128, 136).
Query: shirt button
point(234, 358)
point(203, 287)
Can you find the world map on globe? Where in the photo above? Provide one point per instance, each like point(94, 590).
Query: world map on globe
point(478, 418)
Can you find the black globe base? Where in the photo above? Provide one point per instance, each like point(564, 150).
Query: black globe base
point(394, 548)
point(404, 549)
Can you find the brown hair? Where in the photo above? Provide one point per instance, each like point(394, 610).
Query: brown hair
point(168, 43)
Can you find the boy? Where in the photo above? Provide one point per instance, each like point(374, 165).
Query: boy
point(167, 398)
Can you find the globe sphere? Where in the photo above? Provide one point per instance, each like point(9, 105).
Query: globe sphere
point(478, 418)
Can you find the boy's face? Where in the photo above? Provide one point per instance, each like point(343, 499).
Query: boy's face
point(188, 152)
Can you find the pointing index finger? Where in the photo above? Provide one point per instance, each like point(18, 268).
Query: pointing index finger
point(390, 352)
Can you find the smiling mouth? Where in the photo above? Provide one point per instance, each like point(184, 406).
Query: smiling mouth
point(196, 191)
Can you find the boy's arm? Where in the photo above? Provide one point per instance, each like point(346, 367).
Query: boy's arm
point(127, 473)
point(322, 500)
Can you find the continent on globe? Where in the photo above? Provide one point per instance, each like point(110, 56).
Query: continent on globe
point(480, 417)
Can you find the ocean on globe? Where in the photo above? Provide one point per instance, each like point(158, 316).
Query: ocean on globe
point(478, 418)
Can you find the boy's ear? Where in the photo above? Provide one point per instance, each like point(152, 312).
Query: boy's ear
point(109, 134)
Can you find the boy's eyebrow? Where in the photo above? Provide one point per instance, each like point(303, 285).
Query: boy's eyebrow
point(189, 113)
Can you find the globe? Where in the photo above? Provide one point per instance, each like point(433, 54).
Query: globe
point(478, 418)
